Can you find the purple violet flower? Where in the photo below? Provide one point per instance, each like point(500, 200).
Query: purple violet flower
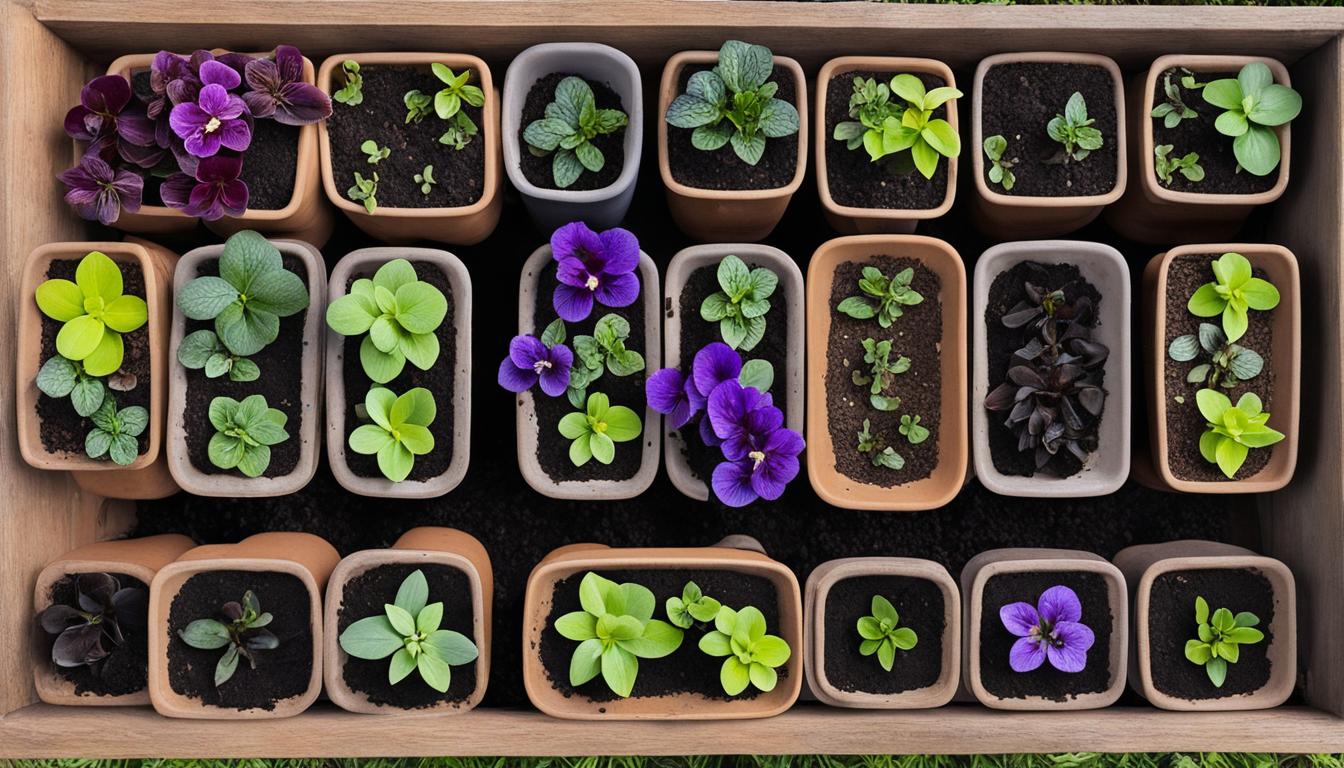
point(1053, 630)
point(277, 90)
point(215, 119)
point(670, 393)
point(108, 119)
point(762, 455)
point(593, 267)
point(99, 192)
point(214, 193)
point(530, 361)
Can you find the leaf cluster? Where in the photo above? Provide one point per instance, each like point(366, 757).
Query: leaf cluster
point(1074, 130)
point(59, 377)
point(741, 303)
point(426, 180)
point(566, 132)
point(692, 607)
point(881, 453)
point(103, 615)
point(352, 93)
point(605, 350)
point(915, 432)
point(245, 432)
point(115, 432)
point(1166, 166)
point(1000, 169)
point(399, 432)
point(374, 154)
point(881, 634)
point(1221, 636)
point(1225, 364)
point(242, 634)
point(885, 129)
point(1233, 293)
point(881, 374)
point(1253, 106)
point(399, 313)
point(752, 655)
point(94, 312)
point(882, 297)
point(365, 191)
point(202, 350)
point(1174, 109)
point(1232, 430)
point(614, 631)
point(596, 430)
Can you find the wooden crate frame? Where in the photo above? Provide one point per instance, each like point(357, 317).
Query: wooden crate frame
point(49, 47)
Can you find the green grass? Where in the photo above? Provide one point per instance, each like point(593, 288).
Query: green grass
point(1075, 760)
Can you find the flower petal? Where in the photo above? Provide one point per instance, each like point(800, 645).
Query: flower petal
point(1026, 655)
point(1019, 618)
point(665, 390)
point(218, 74)
point(620, 250)
point(515, 379)
point(732, 483)
point(713, 365)
point(575, 240)
point(572, 304)
point(1076, 639)
point(525, 351)
point(618, 290)
point(572, 272)
point(1059, 603)
point(175, 191)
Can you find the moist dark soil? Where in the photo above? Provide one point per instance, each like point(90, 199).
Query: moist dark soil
point(460, 174)
point(1020, 99)
point(1004, 294)
point(270, 165)
point(1000, 680)
point(280, 674)
point(125, 668)
point(855, 180)
point(1185, 424)
point(1221, 174)
point(919, 389)
point(366, 594)
point(439, 380)
point(918, 603)
point(1171, 622)
point(722, 169)
point(281, 383)
point(537, 170)
point(62, 429)
point(685, 670)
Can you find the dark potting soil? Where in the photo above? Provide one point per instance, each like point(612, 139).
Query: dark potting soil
point(1171, 622)
point(918, 603)
point(125, 668)
point(1020, 99)
point(537, 170)
point(916, 335)
point(439, 380)
point(62, 428)
point(460, 174)
point(1221, 174)
point(1185, 424)
point(855, 180)
point(722, 169)
point(366, 594)
point(281, 383)
point(1004, 294)
point(685, 670)
point(280, 674)
point(995, 640)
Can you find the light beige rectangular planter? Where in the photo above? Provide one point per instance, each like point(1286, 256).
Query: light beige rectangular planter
point(302, 555)
point(1280, 267)
point(852, 220)
point(419, 546)
point(1144, 564)
point(788, 385)
point(712, 215)
point(462, 225)
point(986, 565)
point(1107, 468)
point(819, 585)
point(365, 262)
point(137, 558)
point(739, 554)
point(232, 483)
point(949, 475)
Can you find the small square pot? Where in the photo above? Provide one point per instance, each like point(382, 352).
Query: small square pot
point(819, 585)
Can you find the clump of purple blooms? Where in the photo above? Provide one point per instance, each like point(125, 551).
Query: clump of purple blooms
point(191, 131)
point(531, 362)
point(1051, 630)
point(593, 267)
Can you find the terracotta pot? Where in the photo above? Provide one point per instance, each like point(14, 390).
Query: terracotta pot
point(713, 215)
point(852, 220)
point(137, 558)
point(1107, 467)
point(550, 208)
point(950, 473)
point(1280, 267)
point(462, 225)
point(1143, 564)
point(1011, 217)
point(529, 430)
point(1149, 212)
point(201, 483)
point(738, 554)
point(304, 556)
point(427, 546)
point(367, 260)
point(819, 585)
point(986, 565)
point(788, 385)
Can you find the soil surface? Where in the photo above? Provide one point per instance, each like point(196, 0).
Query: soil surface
point(537, 170)
point(722, 169)
point(366, 594)
point(1021, 99)
point(918, 603)
point(381, 117)
point(125, 668)
point(1221, 174)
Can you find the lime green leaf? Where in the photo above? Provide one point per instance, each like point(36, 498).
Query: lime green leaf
point(106, 357)
point(734, 676)
point(454, 648)
point(60, 299)
point(586, 663)
point(619, 669)
point(97, 275)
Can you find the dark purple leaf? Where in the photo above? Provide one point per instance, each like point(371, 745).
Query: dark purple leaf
point(96, 591)
point(55, 618)
point(232, 611)
point(1001, 399)
point(1093, 399)
point(78, 646)
point(1021, 410)
point(130, 605)
point(262, 640)
point(1020, 317)
point(1025, 377)
point(1093, 353)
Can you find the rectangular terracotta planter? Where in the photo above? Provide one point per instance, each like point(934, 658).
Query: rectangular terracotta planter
point(463, 225)
point(949, 475)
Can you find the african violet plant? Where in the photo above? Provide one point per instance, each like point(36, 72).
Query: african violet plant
point(1221, 636)
point(567, 131)
point(877, 449)
point(399, 432)
point(1000, 167)
point(880, 633)
point(397, 313)
point(1254, 105)
point(752, 655)
point(887, 129)
point(94, 312)
point(242, 634)
point(593, 268)
point(1052, 630)
point(245, 432)
point(741, 303)
point(203, 351)
point(614, 631)
point(103, 615)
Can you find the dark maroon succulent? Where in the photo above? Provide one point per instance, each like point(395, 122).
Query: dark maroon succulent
point(215, 191)
point(277, 90)
point(110, 121)
point(104, 614)
point(99, 192)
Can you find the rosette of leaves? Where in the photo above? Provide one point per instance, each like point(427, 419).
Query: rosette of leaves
point(1254, 105)
point(884, 129)
point(877, 450)
point(1167, 166)
point(365, 191)
point(203, 351)
point(1233, 429)
point(400, 314)
point(115, 432)
point(741, 303)
point(1074, 130)
point(614, 631)
point(242, 634)
point(881, 297)
point(1221, 636)
point(915, 432)
point(399, 432)
point(734, 103)
point(1233, 293)
point(752, 655)
point(94, 312)
point(59, 377)
point(881, 634)
point(352, 93)
point(596, 430)
point(693, 606)
point(245, 433)
point(882, 373)
point(1000, 169)
point(1224, 363)
point(566, 132)
point(104, 614)
point(605, 350)
point(1174, 109)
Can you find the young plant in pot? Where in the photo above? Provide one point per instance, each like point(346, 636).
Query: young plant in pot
point(397, 372)
point(412, 149)
point(732, 140)
point(587, 313)
point(886, 376)
point(1049, 141)
point(1052, 369)
point(242, 412)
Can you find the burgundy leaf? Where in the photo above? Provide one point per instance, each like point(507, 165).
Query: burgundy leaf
point(1093, 399)
point(55, 618)
point(78, 646)
point(1020, 317)
point(1001, 399)
point(1026, 377)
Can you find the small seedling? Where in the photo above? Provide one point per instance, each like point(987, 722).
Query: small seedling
point(1220, 639)
point(1254, 106)
point(603, 351)
point(448, 101)
point(752, 655)
point(399, 432)
point(365, 191)
point(60, 377)
point(374, 153)
point(1232, 294)
point(1000, 169)
point(741, 303)
point(614, 631)
point(693, 606)
point(882, 373)
point(242, 633)
point(418, 106)
point(351, 94)
point(1228, 364)
point(881, 634)
point(1074, 130)
point(913, 430)
point(876, 449)
point(245, 433)
point(426, 180)
point(1232, 430)
point(572, 121)
point(460, 131)
point(94, 312)
point(103, 615)
point(1174, 109)
point(399, 313)
point(596, 431)
point(884, 129)
point(1167, 166)
point(115, 432)
point(202, 350)
point(881, 297)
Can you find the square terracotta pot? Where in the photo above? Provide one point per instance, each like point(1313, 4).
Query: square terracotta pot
point(462, 225)
point(949, 475)
point(418, 546)
point(818, 589)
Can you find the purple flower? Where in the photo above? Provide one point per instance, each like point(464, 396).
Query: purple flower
point(1052, 630)
point(592, 266)
point(669, 393)
point(215, 119)
point(530, 361)
point(277, 89)
point(215, 192)
point(681, 398)
point(107, 119)
point(98, 192)
point(762, 455)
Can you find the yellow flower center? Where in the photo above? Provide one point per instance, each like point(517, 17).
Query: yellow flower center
point(756, 458)
point(592, 282)
point(212, 126)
